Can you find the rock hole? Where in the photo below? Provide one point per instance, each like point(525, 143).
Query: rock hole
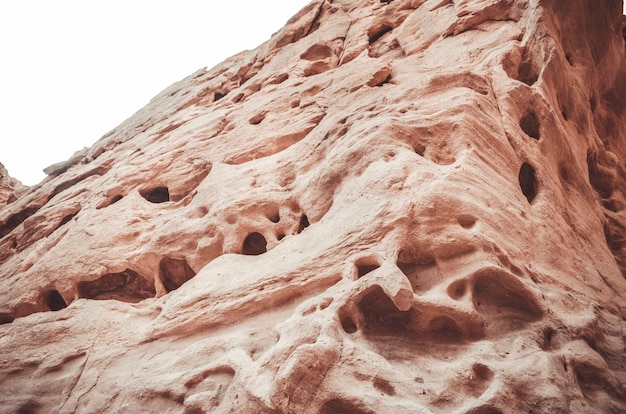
point(482, 372)
point(484, 409)
point(420, 149)
point(107, 203)
point(254, 245)
point(525, 71)
point(381, 315)
point(547, 337)
point(377, 32)
point(445, 329)
point(67, 219)
point(530, 125)
point(217, 96)
point(341, 406)
point(528, 182)
point(257, 119)
point(174, 273)
point(156, 195)
point(496, 293)
point(317, 52)
point(569, 59)
point(457, 289)
point(384, 386)
point(466, 221)
point(528, 74)
point(365, 266)
point(54, 301)
point(280, 236)
point(413, 264)
point(30, 407)
point(16, 219)
point(600, 179)
point(304, 223)
point(274, 218)
point(348, 325)
point(5, 318)
point(126, 286)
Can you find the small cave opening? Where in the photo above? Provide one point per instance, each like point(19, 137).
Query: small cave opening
point(304, 223)
point(497, 294)
point(53, 300)
point(365, 266)
point(530, 125)
point(348, 325)
point(218, 95)
point(593, 104)
point(5, 318)
point(377, 32)
point(520, 66)
point(16, 219)
point(600, 178)
point(340, 406)
point(528, 182)
point(274, 218)
point(174, 273)
point(527, 73)
point(381, 315)
point(255, 244)
point(67, 219)
point(109, 202)
point(157, 195)
point(126, 286)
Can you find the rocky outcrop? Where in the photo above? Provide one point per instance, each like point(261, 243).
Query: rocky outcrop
point(10, 188)
point(399, 206)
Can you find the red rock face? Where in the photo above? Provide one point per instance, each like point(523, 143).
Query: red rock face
point(398, 206)
point(10, 188)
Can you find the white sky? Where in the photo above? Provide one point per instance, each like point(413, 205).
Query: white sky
point(72, 70)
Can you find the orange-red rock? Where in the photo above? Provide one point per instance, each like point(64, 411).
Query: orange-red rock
point(398, 206)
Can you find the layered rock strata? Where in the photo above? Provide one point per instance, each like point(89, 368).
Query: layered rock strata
point(398, 206)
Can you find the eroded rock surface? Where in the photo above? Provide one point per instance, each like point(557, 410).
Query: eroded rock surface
point(398, 206)
point(10, 188)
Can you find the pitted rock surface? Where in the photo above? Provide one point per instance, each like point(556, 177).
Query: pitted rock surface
point(399, 206)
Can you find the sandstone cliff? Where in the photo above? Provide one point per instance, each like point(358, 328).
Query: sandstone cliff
point(394, 206)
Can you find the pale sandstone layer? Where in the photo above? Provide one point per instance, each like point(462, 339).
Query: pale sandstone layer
point(399, 206)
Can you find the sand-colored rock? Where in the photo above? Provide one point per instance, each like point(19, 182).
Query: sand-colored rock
point(398, 206)
point(10, 188)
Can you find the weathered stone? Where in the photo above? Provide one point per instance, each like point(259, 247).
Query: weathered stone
point(398, 206)
point(10, 188)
